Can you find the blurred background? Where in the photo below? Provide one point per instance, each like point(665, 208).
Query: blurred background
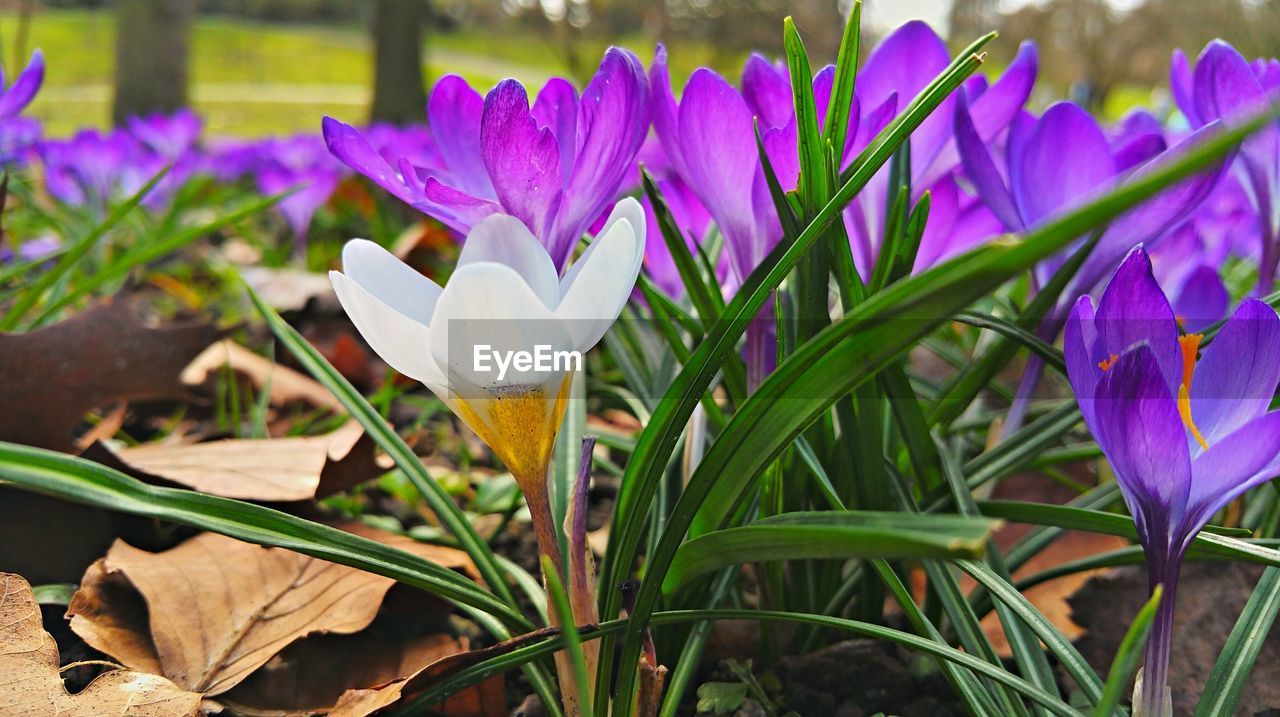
point(259, 67)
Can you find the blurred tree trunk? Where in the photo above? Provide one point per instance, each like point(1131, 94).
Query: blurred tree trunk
point(399, 95)
point(153, 39)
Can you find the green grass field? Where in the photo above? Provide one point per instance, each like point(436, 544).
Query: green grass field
point(255, 79)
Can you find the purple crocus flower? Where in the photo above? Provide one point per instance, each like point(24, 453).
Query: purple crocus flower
point(303, 164)
point(1186, 266)
point(1185, 431)
point(170, 136)
point(1032, 187)
point(15, 98)
point(19, 139)
point(1224, 86)
point(19, 134)
point(556, 166)
point(93, 168)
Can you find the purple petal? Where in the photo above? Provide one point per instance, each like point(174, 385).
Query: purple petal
point(1138, 428)
point(1079, 339)
point(767, 92)
point(717, 141)
point(1238, 373)
point(944, 201)
point(1138, 149)
point(973, 225)
point(349, 145)
point(1182, 85)
point(613, 119)
point(1202, 299)
point(868, 127)
point(822, 84)
point(1134, 310)
point(1237, 463)
point(992, 110)
point(456, 209)
point(981, 170)
point(1224, 84)
point(1046, 181)
point(665, 111)
point(782, 147)
point(454, 111)
point(522, 161)
point(903, 64)
point(19, 95)
point(557, 109)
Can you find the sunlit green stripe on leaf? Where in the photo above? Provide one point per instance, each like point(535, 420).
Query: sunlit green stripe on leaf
point(830, 534)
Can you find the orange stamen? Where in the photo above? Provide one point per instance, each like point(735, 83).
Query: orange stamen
point(1106, 363)
point(1190, 345)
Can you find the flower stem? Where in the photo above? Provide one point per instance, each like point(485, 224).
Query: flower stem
point(544, 529)
point(1155, 670)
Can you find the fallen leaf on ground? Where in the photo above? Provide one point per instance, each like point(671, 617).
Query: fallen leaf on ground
point(313, 675)
point(486, 699)
point(217, 609)
point(32, 685)
point(284, 384)
point(275, 470)
point(100, 356)
point(288, 289)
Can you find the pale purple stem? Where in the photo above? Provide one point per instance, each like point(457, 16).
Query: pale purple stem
point(761, 348)
point(1155, 671)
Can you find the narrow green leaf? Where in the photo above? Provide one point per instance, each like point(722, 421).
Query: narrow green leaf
point(568, 634)
point(1058, 644)
point(829, 534)
point(1052, 356)
point(836, 129)
point(1128, 656)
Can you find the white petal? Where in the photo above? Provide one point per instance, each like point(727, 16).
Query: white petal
point(506, 240)
point(393, 282)
point(627, 209)
point(489, 305)
point(600, 282)
point(402, 342)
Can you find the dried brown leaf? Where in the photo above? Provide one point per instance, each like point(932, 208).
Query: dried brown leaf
point(313, 674)
point(276, 470)
point(32, 687)
point(102, 355)
point(213, 610)
point(284, 384)
point(218, 609)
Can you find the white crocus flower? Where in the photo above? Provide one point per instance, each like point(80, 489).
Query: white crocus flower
point(504, 298)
